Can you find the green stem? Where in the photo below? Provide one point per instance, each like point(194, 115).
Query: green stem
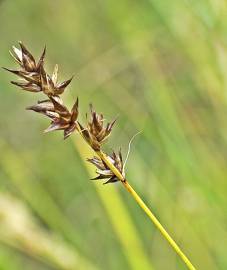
point(141, 203)
point(146, 210)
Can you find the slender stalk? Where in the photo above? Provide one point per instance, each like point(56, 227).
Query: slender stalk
point(146, 210)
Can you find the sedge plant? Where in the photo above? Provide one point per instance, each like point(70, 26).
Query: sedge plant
point(109, 167)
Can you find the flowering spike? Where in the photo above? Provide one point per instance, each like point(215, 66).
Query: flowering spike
point(30, 71)
point(96, 132)
point(62, 118)
point(104, 171)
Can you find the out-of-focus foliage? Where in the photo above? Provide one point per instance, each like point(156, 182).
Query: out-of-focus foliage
point(160, 67)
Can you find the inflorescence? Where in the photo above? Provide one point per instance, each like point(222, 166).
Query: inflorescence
point(34, 78)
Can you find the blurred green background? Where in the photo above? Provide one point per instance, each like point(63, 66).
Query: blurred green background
point(160, 66)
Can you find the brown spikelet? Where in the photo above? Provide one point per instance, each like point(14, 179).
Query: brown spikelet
point(29, 70)
point(62, 118)
point(96, 131)
point(33, 75)
point(103, 170)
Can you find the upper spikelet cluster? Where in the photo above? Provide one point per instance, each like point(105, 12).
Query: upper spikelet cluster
point(32, 74)
point(34, 78)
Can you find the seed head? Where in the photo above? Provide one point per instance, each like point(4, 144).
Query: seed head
point(30, 70)
point(61, 117)
point(102, 169)
point(33, 75)
point(96, 131)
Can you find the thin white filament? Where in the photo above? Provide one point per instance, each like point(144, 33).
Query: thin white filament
point(129, 149)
